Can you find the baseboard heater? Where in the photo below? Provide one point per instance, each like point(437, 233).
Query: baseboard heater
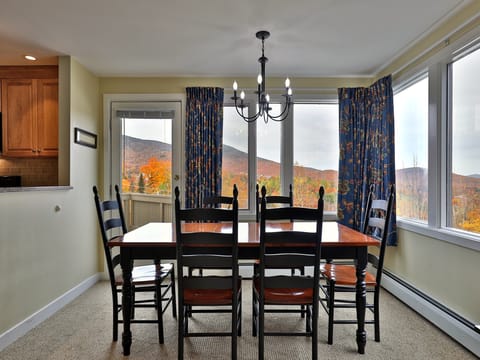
point(452, 323)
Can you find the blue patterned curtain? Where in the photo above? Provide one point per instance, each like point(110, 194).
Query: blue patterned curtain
point(367, 150)
point(203, 144)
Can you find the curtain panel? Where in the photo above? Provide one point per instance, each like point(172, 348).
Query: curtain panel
point(203, 144)
point(367, 150)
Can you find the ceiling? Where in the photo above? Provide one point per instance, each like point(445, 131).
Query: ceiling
point(309, 38)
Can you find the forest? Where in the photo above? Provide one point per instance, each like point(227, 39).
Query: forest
point(152, 175)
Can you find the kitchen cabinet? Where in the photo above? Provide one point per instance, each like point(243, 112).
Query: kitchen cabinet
point(30, 117)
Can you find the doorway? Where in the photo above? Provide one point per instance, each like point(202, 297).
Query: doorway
point(145, 157)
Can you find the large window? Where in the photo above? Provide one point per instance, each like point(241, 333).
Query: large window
point(464, 212)
point(411, 150)
point(315, 154)
point(437, 147)
point(277, 154)
point(235, 155)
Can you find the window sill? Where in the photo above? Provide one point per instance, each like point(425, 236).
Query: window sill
point(452, 236)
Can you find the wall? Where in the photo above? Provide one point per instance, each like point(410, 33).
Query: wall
point(45, 253)
point(446, 272)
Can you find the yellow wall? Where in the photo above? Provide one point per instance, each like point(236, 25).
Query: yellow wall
point(45, 253)
point(446, 272)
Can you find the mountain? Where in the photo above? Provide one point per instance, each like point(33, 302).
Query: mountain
point(139, 151)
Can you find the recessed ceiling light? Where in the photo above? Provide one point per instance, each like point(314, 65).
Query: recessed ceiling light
point(30, 57)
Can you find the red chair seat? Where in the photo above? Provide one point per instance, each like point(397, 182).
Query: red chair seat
point(286, 296)
point(345, 275)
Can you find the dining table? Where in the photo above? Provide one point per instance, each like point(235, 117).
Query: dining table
point(156, 241)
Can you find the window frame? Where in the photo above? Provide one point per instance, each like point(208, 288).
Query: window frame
point(439, 142)
point(324, 96)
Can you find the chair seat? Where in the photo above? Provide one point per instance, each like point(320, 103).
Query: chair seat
point(345, 275)
point(146, 275)
point(286, 296)
point(209, 296)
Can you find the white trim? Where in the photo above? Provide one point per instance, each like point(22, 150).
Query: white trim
point(44, 313)
point(458, 331)
point(452, 236)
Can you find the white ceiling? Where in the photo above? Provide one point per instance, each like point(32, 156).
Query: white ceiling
point(309, 38)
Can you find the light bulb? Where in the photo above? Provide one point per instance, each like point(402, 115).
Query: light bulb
point(287, 82)
point(289, 92)
point(235, 85)
point(242, 95)
point(267, 98)
point(259, 79)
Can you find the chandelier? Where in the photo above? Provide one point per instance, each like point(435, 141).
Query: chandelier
point(263, 97)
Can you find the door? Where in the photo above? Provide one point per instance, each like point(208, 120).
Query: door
point(145, 157)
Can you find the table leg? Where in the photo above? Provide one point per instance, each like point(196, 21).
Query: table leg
point(361, 299)
point(127, 266)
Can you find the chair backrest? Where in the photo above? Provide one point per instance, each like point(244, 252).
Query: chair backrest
point(112, 225)
point(289, 248)
point(377, 224)
point(273, 200)
point(203, 248)
point(215, 201)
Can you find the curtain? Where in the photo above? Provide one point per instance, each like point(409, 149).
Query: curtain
point(203, 144)
point(367, 150)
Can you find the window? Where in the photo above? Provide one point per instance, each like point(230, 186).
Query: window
point(464, 209)
point(315, 154)
point(261, 157)
point(147, 155)
point(235, 155)
point(268, 153)
point(411, 150)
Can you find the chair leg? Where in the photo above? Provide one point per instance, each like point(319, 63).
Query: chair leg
point(158, 288)
point(173, 292)
point(181, 330)
point(234, 331)
point(315, 309)
point(376, 313)
point(261, 323)
point(331, 309)
point(302, 308)
point(115, 309)
point(254, 314)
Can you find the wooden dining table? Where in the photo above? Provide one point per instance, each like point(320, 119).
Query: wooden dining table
point(157, 241)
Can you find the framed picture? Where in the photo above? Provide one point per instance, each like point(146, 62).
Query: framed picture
point(86, 138)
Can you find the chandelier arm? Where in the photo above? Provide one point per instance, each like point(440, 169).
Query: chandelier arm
point(248, 119)
point(282, 116)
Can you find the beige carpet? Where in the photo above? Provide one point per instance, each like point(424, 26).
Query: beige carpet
point(83, 330)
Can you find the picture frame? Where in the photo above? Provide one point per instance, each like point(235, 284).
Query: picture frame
point(85, 138)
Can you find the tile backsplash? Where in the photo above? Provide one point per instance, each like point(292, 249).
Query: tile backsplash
point(34, 172)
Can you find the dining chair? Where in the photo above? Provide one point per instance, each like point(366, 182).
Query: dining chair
point(273, 200)
point(340, 278)
point(201, 247)
point(288, 247)
point(157, 280)
point(215, 201)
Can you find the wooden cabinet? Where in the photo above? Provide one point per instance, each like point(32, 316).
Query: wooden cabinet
point(30, 117)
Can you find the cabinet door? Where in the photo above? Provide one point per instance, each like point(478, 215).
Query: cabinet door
point(19, 117)
point(47, 117)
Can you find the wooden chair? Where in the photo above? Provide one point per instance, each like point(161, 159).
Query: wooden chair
point(275, 200)
point(206, 249)
point(338, 278)
point(157, 279)
point(288, 249)
point(215, 201)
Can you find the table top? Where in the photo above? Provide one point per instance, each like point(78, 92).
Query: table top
point(162, 234)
